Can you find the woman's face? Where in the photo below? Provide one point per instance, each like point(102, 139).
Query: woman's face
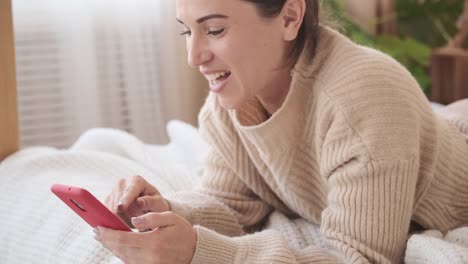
point(239, 52)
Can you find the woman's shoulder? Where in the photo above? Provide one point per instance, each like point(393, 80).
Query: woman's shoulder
point(340, 65)
point(376, 96)
point(362, 64)
point(347, 71)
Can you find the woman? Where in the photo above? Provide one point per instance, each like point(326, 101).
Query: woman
point(305, 128)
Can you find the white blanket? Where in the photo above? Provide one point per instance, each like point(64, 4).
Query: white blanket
point(37, 228)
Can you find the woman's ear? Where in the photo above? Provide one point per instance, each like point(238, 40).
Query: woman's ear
point(292, 16)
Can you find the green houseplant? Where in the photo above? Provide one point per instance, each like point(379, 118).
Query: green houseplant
point(422, 25)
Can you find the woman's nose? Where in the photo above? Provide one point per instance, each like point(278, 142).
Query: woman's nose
point(198, 52)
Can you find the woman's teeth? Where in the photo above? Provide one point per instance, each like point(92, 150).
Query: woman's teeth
point(215, 76)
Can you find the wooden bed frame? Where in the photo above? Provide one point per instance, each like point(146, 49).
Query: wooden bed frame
point(9, 132)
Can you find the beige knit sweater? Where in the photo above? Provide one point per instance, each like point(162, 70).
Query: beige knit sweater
point(355, 148)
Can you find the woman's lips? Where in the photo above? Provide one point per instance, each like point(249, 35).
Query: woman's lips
point(216, 86)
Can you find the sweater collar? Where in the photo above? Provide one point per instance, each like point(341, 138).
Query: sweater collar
point(286, 124)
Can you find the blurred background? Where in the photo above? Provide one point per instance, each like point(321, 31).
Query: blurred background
point(408, 30)
point(122, 64)
point(107, 63)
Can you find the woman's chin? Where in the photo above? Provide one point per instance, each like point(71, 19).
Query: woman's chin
point(228, 103)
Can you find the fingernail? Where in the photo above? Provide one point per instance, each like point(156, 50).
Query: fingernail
point(137, 220)
point(120, 206)
point(97, 234)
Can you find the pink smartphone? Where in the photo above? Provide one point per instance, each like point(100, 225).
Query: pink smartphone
point(88, 207)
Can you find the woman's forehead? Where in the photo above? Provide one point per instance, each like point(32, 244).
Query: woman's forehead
point(195, 9)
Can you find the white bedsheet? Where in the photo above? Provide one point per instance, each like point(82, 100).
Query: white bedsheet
point(37, 228)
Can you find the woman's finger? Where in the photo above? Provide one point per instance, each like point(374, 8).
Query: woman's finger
point(112, 199)
point(108, 202)
point(155, 204)
point(141, 206)
point(152, 221)
point(136, 186)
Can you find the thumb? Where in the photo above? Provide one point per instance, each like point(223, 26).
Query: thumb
point(152, 221)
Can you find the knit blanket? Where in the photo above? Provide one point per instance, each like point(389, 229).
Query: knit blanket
point(38, 228)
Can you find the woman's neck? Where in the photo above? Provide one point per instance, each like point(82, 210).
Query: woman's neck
point(273, 97)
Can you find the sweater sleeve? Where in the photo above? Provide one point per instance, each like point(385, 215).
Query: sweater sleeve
point(223, 202)
point(370, 157)
point(369, 210)
point(366, 221)
point(267, 246)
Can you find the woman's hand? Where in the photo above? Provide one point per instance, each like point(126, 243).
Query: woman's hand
point(134, 197)
point(171, 240)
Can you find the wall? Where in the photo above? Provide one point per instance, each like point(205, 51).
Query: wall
point(363, 12)
point(8, 102)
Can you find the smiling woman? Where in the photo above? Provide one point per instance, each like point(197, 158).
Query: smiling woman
point(8, 109)
point(342, 137)
point(249, 54)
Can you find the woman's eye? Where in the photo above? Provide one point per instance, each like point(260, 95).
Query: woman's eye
point(186, 33)
point(215, 32)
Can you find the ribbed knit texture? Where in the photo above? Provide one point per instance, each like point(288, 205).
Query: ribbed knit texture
point(355, 148)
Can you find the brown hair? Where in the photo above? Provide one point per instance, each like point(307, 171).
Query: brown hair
point(308, 32)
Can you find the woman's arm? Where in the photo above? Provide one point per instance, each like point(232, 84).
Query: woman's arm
point(8, 104)
point(366, 220)
point(223, 202)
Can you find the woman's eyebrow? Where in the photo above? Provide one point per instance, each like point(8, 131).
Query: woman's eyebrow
point(205, 18)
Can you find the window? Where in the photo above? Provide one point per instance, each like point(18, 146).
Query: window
point(82, 64)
